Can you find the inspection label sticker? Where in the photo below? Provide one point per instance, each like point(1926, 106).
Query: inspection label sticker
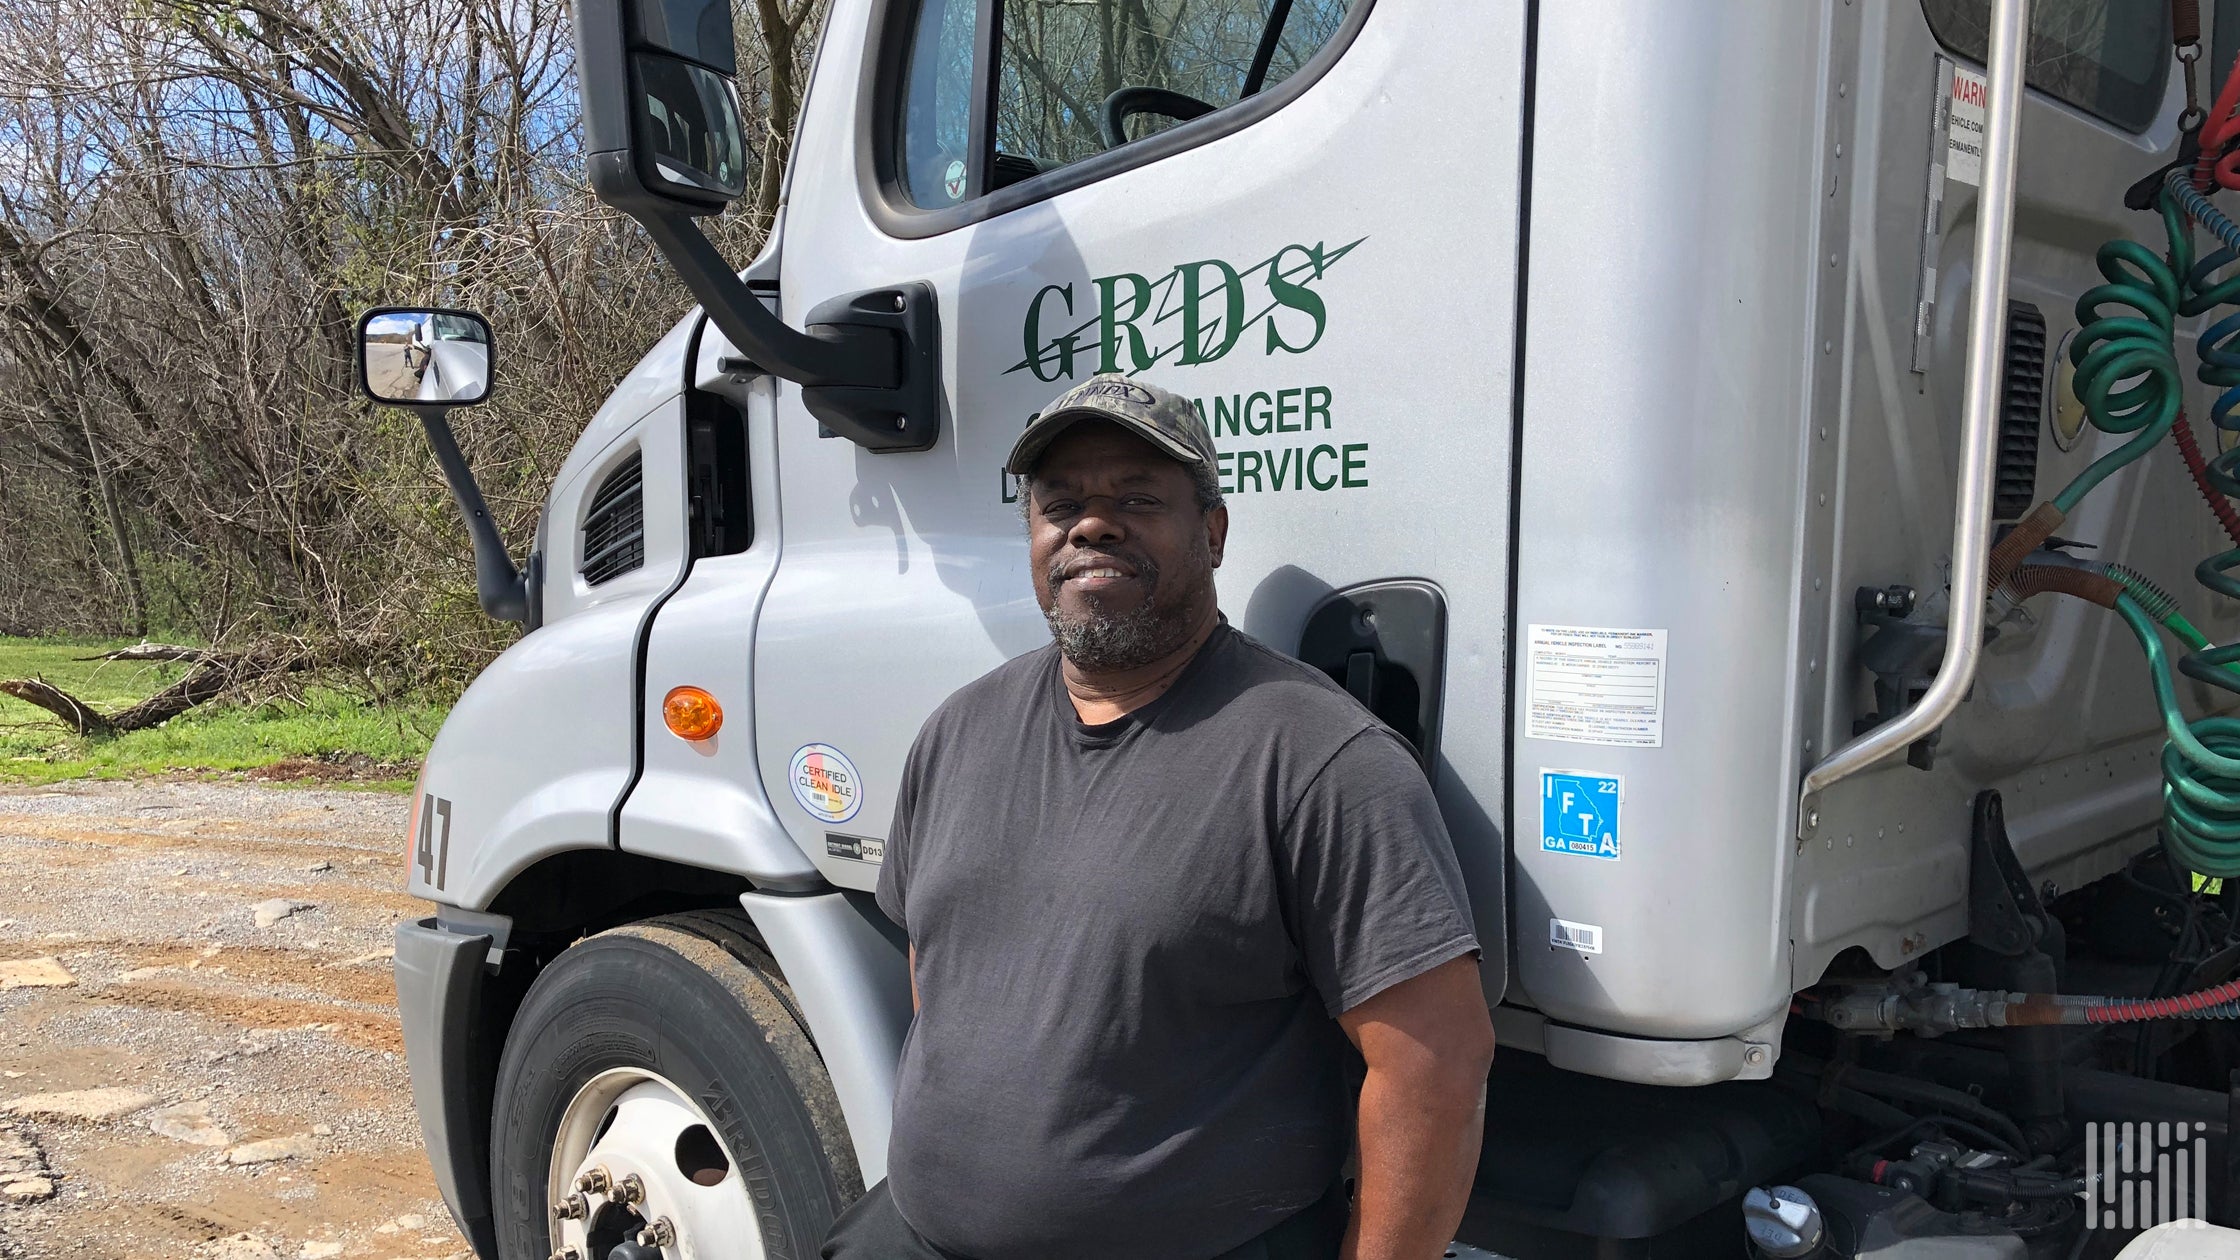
point(1595, 685)
point(1579, 813)
point(1963, 129)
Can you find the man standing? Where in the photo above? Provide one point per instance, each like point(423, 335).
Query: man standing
point(1156, 877)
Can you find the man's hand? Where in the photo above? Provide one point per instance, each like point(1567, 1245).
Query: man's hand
point(1427, 1042)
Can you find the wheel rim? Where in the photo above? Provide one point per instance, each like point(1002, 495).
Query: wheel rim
point(631, 1123)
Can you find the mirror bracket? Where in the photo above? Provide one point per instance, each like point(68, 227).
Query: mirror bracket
point(869, 364)
point(498, 586)
point(904, 416)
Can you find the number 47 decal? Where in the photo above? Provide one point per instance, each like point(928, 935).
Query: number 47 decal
point(432, 852)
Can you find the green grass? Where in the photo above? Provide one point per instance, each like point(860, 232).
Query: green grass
point(329, 735)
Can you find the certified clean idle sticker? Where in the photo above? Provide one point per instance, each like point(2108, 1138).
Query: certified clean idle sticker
point(826, 782)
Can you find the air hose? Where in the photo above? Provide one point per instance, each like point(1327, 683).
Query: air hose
point(2128, 378)
point(2201, 761)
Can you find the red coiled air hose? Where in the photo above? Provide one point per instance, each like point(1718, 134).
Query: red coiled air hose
point(2215, 168)
point(2134, 1010)
point(2227, 516)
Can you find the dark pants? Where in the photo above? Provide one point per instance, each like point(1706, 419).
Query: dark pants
point(873, 1230)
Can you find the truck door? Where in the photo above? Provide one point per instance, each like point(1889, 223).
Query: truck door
point(1238, 199)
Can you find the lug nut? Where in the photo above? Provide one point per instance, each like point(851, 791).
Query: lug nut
point(630, 1189)
point(659, 1234)
point(595, 1180)
point(572, 1208)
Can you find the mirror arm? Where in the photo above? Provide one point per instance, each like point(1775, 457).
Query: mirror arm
point(825, 355)
point(498, 585)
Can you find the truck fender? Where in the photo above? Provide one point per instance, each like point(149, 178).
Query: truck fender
point(849, 968)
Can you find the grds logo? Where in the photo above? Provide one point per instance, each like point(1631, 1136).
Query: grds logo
point(1197, 312)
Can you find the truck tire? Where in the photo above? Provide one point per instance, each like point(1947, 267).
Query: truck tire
point(670, 1051)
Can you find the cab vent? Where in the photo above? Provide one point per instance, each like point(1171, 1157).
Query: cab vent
point(2022, 400)
point(614, 526)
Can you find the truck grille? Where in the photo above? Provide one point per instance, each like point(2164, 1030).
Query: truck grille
point(614, 526)
point(2022, 401)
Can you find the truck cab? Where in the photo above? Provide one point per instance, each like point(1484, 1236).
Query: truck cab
point(1593, 394)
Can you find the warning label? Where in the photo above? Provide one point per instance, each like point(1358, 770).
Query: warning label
point(1965, 110)
point(1595, 685)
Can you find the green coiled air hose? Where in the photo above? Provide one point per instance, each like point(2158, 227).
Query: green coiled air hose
point(2127, 372)
point(2201, 761)
point(2128, 379)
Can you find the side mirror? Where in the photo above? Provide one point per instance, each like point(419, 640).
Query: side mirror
point(422, 357)
point(662, 125)
point(664, 143)
point(432, 360)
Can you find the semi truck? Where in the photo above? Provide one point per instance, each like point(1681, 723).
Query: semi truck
point(1772, 462)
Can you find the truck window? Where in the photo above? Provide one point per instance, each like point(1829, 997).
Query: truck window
point(1058, 66)
point(2106, 57)
point(937, 110)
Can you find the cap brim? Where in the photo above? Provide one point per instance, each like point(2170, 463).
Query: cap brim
point(1046, 429)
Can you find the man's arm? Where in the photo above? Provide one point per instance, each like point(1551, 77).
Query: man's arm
point(1427, 1042)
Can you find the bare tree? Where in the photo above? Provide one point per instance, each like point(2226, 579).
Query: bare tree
point(197, 197)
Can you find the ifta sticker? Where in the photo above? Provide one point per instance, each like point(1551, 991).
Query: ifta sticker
point(826, 782)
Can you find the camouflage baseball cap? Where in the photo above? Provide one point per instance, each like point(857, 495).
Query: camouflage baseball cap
point(1161, 417)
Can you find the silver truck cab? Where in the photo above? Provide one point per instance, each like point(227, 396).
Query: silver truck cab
point(1588, 379)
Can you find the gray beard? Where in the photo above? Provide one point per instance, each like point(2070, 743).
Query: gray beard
point(1102, 644)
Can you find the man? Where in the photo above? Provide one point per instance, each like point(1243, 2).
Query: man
point(1156, 877)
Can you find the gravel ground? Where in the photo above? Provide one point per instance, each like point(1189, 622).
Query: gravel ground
point(209, 1034)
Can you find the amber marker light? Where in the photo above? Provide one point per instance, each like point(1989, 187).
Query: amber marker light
point(691, 713)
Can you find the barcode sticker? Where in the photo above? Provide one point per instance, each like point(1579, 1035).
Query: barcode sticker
point(1586, 938)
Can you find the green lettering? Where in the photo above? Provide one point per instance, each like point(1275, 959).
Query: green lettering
point(1316, 477)
point(1265, 416)
point(1287, 404)
point(1283, 461)
point(1065, 345)
point(1248, 465)
point(1228, 415)
point(1232, 316)
point(1221, 467)
point(1318, 404)
point(1110, 321)
point(1296, 296)
point(1353, 458)
point(1010, 486)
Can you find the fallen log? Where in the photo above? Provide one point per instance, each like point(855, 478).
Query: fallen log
point(152, 652)
point(212, 677)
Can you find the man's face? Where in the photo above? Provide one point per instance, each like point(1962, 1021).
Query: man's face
point(1122, 557)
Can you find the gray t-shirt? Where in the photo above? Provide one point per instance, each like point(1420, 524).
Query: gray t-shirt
point(1132, 939)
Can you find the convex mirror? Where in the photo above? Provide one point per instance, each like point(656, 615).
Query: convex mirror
point(663, 127)
point(424, 356)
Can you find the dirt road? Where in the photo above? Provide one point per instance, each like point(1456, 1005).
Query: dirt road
point(389, 371)
point(252, 1097)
